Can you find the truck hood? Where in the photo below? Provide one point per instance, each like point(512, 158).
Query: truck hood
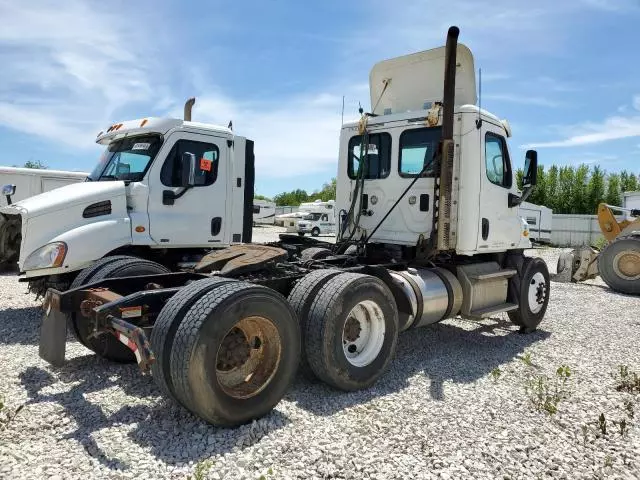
point(66, 197)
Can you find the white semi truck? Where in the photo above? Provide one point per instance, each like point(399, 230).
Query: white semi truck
point(429, 229)
point(18, 184)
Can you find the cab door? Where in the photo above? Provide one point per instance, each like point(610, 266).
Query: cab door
point(195, 216)
point(499, 224)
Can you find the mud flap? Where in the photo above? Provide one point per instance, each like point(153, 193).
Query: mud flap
point(53, 336)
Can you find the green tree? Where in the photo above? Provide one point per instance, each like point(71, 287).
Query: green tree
point(579, 193)
point(292, 198)
point(519, 178)
point(596, 189)
point(539, 194)
point(565, 189)
point(628, 181)
point(34, 164)
point(613, 190)
point(261, 197)
point(552, 188)
point(328, 192)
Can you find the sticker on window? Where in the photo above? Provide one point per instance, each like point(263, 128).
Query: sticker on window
point(205, 164)
point(141, 146)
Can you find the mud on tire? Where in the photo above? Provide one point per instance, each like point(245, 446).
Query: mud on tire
point(106, 345)
point(301, 298)
point(352, 331)
point(166, 325)
point(235, 353)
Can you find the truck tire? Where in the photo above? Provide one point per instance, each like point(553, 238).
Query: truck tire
point(352, 331)
point(165, 326)
point(530, 289)
point(619, 265)
point(315, 232)
point(300, 299)
point(85, 276)
point(314, 253)
point(106, 345)
point(235, 353)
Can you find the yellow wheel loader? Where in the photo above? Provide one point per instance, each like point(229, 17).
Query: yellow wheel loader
point(618, 264)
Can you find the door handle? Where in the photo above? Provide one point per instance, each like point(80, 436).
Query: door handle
point(216, 226)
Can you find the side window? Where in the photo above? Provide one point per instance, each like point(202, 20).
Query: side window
point(325, 218)
point(531, 220)
point(256, 209)
point(496, 160)
point(417, 149)
point(377, 161)
point(207, 157)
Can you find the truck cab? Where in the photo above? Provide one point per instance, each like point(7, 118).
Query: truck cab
point(395, 148)
point(163, 188)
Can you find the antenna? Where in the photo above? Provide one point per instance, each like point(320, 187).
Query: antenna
point(479, 120)
point(342, 116)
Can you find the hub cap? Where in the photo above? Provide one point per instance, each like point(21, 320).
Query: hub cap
point(248, 357)
point(363, 333)
point(626, 264)
point(537, 292)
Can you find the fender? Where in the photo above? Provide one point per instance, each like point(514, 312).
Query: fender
point(88, 243)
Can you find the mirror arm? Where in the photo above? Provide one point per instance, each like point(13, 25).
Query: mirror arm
point(515, 200)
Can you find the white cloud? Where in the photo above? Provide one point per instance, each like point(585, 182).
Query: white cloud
point(67, 67)
point(636, 102)
point(295, 137)
point(612, 128)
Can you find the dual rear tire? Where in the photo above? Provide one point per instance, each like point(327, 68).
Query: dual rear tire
point(349, 326)
point(229, 350)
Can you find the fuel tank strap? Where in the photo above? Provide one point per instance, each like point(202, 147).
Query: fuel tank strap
point(419, 299)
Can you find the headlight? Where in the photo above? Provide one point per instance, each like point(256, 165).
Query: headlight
point(50, 256)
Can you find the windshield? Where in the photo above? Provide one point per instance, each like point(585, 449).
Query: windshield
point(126, 159)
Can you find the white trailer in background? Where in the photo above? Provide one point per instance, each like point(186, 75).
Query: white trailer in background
point(264, 212)
point(33, 181)
point(539, 219)
point(18, 184)
point(317, 211)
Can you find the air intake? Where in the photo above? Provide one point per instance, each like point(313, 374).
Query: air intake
point(97, 209)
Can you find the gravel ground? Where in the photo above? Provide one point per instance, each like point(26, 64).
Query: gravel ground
point(452, 405)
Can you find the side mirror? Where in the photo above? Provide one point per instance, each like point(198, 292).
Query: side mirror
point(8, 190)
point(188, 170)
point(530, 177)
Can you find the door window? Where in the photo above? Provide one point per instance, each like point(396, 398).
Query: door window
point(496, 159)
point(207, 157)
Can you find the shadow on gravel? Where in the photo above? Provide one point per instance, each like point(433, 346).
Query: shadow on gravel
point(20, 325)
point(170, 432)
point(442, 353)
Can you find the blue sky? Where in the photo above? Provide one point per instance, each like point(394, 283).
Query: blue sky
point(566, 74)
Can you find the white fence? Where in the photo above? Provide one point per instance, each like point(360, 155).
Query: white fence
point(568, 230)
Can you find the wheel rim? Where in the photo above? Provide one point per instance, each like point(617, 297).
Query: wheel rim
point(363, 333)
point(626, 264)
point(248, 357)
point(537, 292)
